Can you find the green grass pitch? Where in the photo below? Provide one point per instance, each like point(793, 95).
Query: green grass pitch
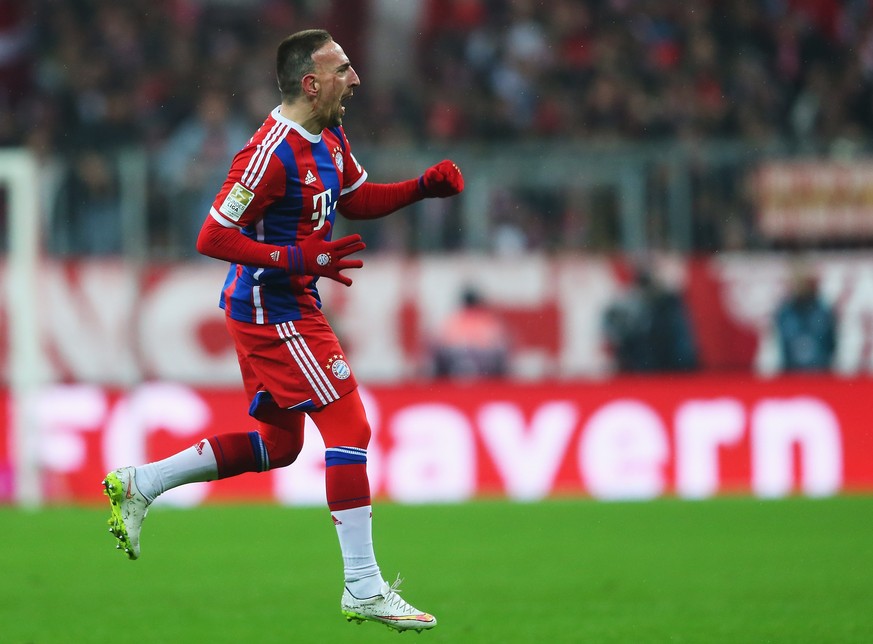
point(732, 570)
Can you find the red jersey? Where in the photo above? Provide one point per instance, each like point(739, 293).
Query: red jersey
point(283, 185)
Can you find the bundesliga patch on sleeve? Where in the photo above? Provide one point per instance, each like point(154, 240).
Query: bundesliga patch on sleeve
point(236, 202)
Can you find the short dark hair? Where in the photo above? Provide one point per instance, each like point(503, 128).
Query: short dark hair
point(294, 60)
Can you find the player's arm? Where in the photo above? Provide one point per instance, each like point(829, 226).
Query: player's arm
point(373, 200)
point(227, 243)
point(313, 255)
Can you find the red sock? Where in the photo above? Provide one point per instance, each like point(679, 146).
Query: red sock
point(346, 433)
point(347, 486)
point(234, 454)
point(277, 443)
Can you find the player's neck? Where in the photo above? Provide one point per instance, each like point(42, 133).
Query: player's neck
point(302, 113)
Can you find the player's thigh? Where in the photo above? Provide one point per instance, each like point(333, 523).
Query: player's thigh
point(300, 364)
point(343, 422)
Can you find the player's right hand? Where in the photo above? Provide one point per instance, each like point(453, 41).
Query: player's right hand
point(314, 255)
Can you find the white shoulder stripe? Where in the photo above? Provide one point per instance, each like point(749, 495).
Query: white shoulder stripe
point(260, 159)
point(260, 150)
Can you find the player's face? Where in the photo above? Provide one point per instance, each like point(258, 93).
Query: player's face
point(336, 80)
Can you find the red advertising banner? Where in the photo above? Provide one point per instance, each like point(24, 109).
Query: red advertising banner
point(111, 322)
point(625, 438)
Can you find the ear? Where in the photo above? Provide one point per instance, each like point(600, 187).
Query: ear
point(309, 84)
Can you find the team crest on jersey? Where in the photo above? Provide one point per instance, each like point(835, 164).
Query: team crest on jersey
point(339, 367)
point(338, 158)
point(236, 202)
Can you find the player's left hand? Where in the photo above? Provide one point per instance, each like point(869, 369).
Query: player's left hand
point(442, 180)
point(314, 255)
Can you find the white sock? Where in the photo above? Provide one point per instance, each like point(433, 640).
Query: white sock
point(192, 465)
point(354, 528)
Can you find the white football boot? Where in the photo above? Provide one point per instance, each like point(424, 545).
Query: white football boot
point(129, 509)
point(388, 608)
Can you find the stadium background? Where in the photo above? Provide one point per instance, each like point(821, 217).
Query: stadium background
point(719, 144)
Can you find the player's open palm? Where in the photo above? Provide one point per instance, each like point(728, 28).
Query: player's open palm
point(315, 255)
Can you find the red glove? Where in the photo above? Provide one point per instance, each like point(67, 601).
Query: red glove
point(442, 180)
point(315, 256)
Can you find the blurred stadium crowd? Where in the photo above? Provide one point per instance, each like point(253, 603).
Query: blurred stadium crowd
point(190, 80)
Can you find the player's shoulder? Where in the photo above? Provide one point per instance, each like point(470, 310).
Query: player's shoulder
point(257, 157)
point(270, 131)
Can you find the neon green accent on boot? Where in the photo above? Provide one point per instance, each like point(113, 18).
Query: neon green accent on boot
point(114, 489)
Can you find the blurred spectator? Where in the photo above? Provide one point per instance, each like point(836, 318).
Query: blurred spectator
point(486, 69)
point(88, 216)
point(194, 161)
point(805, 327)
point(107, 74)
point(16, 42)
point(472, 343)
point(649, 330)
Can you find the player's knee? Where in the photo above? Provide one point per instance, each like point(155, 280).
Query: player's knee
point(285, 454)
point(283, 445)
point(344, 422)
point(359, 436)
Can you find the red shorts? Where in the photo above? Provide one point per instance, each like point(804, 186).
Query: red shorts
point(298, 364)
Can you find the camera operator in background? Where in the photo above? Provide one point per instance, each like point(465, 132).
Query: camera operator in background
point(649, 330)
point(805, 327)
point(472, 343)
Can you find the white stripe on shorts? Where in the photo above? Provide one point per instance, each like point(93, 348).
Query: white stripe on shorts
point(306, 361)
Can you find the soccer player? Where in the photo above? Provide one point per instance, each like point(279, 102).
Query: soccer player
point(272, 220)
